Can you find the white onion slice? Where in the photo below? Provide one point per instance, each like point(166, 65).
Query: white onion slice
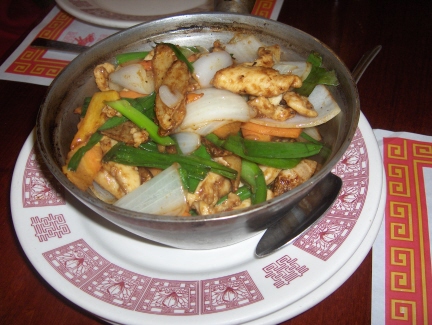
point(187, 141)
point(133, 77)
point(244, 48)
point(102, 194)
point(313, 132)
point(207, 65)
point(299, 68)
point(216, 105)
point(168, 98)
point(324, 104)
point(162, 195)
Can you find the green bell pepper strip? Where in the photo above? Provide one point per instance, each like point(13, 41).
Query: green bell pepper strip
point(131, 56)
point(76, 158)
point(317, 75)
point(196, 166)
point(234, 143)
point(280, 149)
point(253, 176)
point(142, 121)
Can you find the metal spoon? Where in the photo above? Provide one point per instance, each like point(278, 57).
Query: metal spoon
point(313, 206)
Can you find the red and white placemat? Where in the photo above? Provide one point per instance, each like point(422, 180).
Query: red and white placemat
point(39, 66)
point(402, 273)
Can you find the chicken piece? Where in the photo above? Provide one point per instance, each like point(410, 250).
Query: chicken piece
point(109, 183)
point(270, 173)
point(266, 109)
point(176, 80)
point(101, 74)
point(209, 190)
point(291, 178)
point(116, 178)
point(300, 104)
point(128, 133)
point(268, 56)
point(255, 81)
point(234, 162)
point(127, 177)
point(230, 203)
point(162, 60)
point(213, 149)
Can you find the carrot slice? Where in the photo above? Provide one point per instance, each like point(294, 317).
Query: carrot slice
point(273, 131)
point(130, 94)
point(191, 97)
point(227, 129)
point(147, 64)
point(252, 135)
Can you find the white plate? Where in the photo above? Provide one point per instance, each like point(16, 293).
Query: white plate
point(126, 13)
point(125, 279)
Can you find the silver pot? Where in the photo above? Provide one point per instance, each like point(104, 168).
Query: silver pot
point(56, 123)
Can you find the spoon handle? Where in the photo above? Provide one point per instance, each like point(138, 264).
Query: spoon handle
point(304, 214)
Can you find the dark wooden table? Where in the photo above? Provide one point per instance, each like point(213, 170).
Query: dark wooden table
point(395, 95)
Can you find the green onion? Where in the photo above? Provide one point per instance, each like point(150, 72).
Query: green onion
point(280, 149)
point(85, 105)
point(142, 121)
point(132, 56)
point(243, 193)
point(77, 156)
point(234, 143)
point(202, 153)
point(253, 176)
point(179, 55)
point(197, 167)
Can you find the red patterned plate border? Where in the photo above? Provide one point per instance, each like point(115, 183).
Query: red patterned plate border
point(78, 260)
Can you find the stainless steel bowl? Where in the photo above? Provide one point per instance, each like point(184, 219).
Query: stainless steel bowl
point(56, 123)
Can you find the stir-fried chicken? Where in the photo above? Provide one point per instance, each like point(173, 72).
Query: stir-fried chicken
point(270, 173)
point(176, 80)
point(128, 133)
point(118, 179)
point(101, 74)
point(268, 56)
point(162, 60)
point(208, 192)
point(266, 109)
point(291, 178)
point(255, 81)
point(300, 104)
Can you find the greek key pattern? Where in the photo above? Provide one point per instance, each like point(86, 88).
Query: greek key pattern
point(408, 260)
point(32, 62)
point(95, 10)
point(263, 8)
point(324, 238)
point(86, 269)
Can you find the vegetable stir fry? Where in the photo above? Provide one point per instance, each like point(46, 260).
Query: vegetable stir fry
point(185, 130)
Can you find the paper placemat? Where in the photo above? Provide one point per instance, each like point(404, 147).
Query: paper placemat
point(38, 66)
point(402, 272)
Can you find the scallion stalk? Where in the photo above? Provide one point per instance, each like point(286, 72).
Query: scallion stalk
point(141, 120)
point(77, 156)
point(131, 56)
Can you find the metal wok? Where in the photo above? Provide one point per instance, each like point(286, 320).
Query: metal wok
point(56, 123)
